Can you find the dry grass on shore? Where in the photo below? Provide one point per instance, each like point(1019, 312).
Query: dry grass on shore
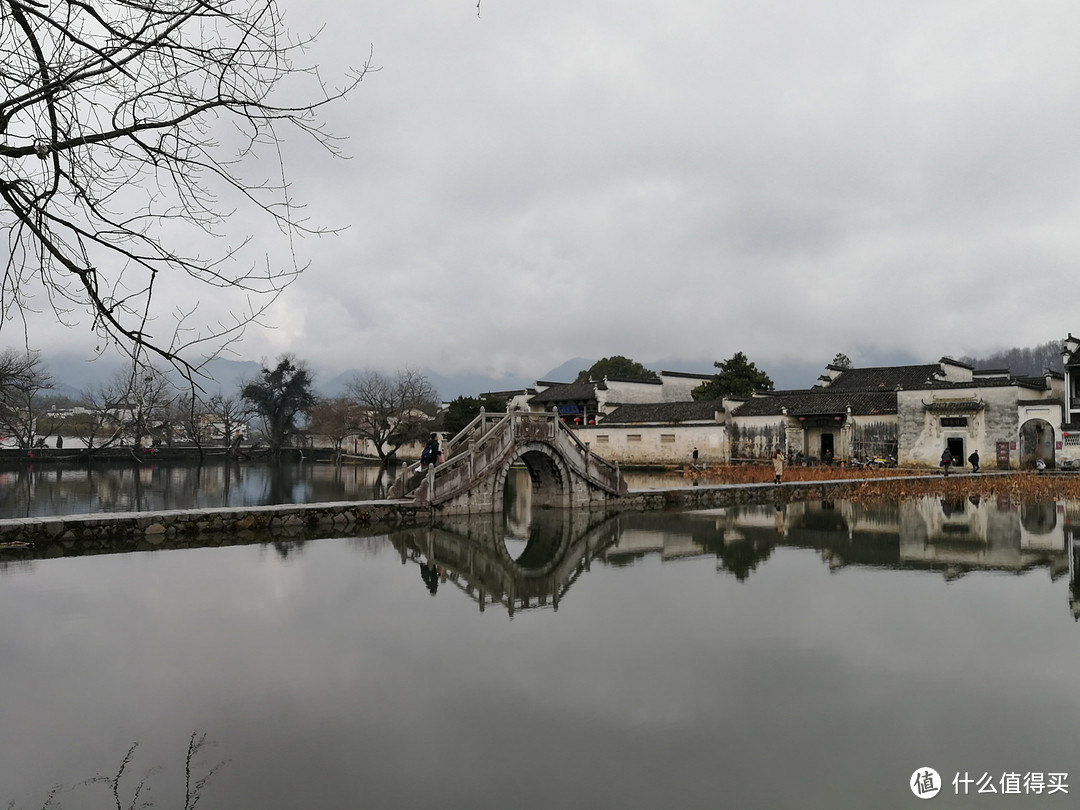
point(895, 483)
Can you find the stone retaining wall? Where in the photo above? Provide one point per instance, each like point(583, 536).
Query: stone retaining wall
point(151, 529)
point(145, 530)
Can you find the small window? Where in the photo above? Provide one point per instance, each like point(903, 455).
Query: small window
point(667, 437)
point(954, 421)
point(1072, 441)
point(602, 439)
point(633, 437)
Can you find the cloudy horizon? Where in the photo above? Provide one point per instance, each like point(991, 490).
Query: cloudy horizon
point(888, 180)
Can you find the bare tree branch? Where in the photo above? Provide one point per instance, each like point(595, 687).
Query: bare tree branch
point(110, 162)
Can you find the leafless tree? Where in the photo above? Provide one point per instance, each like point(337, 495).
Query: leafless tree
point(22, 381)
point(185, 419)
point(228, 414)
point(150, 405)
point(127, 408)
point(100, 426)
point(392, 411)
point(129, 129)
point(333, 419)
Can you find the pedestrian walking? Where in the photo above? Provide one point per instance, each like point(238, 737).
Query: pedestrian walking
point(946, 461)
point(778, 465)
point(974, 459)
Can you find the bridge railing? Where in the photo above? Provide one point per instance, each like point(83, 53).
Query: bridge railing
point(601, 471)
point(481, 444)
point(486, 440)
point(480, 425)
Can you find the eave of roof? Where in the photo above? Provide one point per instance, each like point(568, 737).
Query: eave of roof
point(667, 412)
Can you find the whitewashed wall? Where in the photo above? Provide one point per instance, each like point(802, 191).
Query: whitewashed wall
point(647, 444)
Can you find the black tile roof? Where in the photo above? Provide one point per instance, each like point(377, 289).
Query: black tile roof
point(656, 381)
point(886, 378)
point(566, 392)
point(688, 374)
point(697, 411)
point(818, 402)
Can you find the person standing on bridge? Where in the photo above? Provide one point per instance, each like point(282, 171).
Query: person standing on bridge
point(432, 454)
point(778, 465)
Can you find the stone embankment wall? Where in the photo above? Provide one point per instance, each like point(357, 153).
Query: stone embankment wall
point(101, 532)
point(132, 531)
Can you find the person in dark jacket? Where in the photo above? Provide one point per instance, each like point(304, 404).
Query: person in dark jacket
point(974, 459)
point(946, 461)
point(430, 454)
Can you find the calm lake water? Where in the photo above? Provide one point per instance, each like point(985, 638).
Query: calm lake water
point(56, 489)
point(808, 656)
point(66, 489)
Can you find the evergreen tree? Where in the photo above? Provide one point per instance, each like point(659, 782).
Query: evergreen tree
point(616, 367)
point(281, 395)
point(463, 410)
point(739, 378)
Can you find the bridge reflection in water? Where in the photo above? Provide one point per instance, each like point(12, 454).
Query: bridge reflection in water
point(534, 558)
point(528, 558)
point(530, 570)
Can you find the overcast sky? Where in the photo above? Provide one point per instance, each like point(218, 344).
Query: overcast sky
point(686, 180)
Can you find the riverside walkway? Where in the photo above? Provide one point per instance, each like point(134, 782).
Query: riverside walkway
point(100, 532)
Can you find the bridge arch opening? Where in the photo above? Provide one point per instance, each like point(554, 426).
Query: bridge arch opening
point(548, 475)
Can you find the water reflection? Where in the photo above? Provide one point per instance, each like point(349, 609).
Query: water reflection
point(527, 558)
point(65, 489)
point(948, 536)
point(808, 655)
point(150, 485)
point(477, 556)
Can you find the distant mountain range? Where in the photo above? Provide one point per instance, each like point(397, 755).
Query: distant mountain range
point(74, 375)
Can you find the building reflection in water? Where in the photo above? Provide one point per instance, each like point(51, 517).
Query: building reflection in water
point(525, 559)
point(528, 559)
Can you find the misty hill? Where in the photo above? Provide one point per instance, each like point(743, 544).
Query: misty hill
point(1029, 362)
point(75, 375)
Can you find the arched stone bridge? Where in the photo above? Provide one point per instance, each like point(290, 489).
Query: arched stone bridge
point(564, 470)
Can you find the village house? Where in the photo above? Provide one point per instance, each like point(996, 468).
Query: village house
point(907, 414)
point(584, 403)
point(1070, 421)
point(664, 433)
point(910, 414)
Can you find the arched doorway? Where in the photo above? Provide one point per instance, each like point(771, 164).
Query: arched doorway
point(1036, 441)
